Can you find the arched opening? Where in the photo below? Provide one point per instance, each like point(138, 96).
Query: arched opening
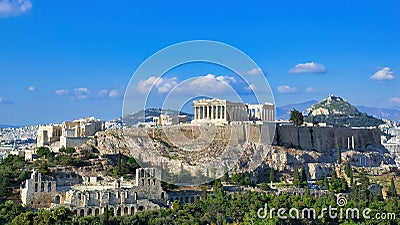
point(113, 211)
point(75, 212)
point(119, 211)
point(141, 173)
point(49, 187)
point(42, 187)
point(126, 211)
point(89, 212)
point(132, 210)
point(192, 199)
point(57, 199)
point(36, 187)
point(82, 212)
point(79, 196)
point(162, 195)
point(140, 208)
point(96, 211)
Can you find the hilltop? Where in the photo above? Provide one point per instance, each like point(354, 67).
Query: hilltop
point(148, 114)
point(336, 111)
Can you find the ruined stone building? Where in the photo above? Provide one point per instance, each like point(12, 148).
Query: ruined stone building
point(146, 194)
point(68, 134)
point(223, 111)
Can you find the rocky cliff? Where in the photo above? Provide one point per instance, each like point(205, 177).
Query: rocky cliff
point(314, 147)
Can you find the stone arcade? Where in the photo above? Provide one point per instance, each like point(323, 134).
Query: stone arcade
point(146, 194)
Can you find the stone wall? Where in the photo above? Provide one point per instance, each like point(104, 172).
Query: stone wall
point(326, 138)
point(72, 141)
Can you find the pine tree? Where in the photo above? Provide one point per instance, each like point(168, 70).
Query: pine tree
point(378, 195)
point(349, 172)
point(348, 169)
point(326, 183)
point(351, 179)
point(334, 175)
point(296, 178)
point(392, 189)
point(272, 175)
point(303, 178)
point(296, 117)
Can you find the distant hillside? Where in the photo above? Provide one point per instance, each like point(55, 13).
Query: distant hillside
point(391, 114)
point(148, 114)
point(283, 112)
point(336, 111)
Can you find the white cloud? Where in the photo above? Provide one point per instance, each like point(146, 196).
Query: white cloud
point(254, 71)
point(14, 7)
point(5, 101)
point(31, 88)
point(286, 89)
point(395, 100)
point(308, 67)
point(114, 93)
point(81, 93)
point(310, 90)
point(102, 93)
point(210, 83)
point(383, 74)
point(162, 84)
point(85, 93)
point(62, 92)
point(225, 79)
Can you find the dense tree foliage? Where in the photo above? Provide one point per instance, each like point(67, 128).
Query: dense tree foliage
point(296, 117)
point(13, 170)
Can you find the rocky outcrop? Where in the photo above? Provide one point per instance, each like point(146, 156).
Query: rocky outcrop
point(312, 147)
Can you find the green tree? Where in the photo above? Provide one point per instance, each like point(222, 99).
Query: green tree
point(392, 189)
point(303, 177)
point(44, 151)
point(296, 178)
point(68, 150)
point(272, 175)
point(339, 159)
point(296, 117)
point(9, 210)
point(43, 168)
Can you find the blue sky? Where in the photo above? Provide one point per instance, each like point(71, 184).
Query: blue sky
point(60, 60)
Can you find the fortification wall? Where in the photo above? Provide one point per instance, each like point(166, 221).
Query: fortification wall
point(326, 138)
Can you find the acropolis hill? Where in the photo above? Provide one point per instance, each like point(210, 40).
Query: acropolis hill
point(292, 146)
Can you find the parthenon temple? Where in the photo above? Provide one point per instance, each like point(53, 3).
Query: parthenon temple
point(223, 111)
